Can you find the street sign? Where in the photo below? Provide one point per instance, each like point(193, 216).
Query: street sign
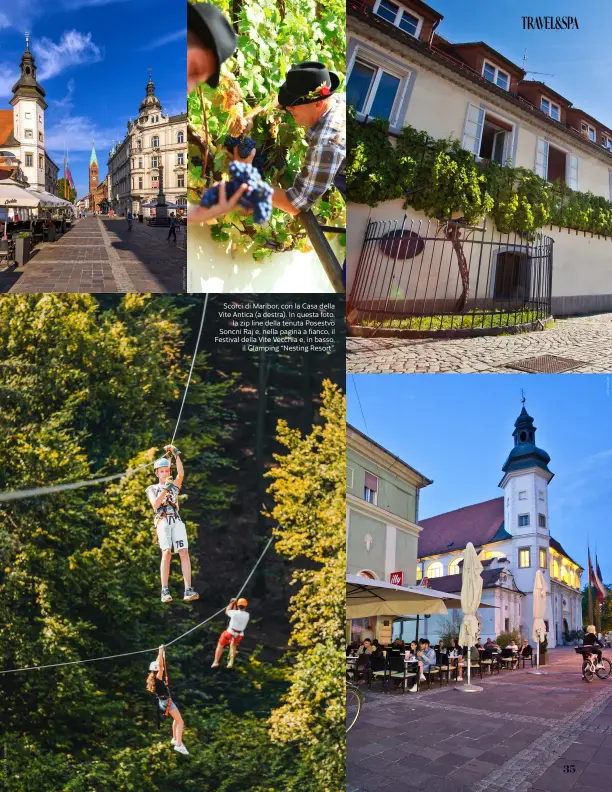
point(397, 578)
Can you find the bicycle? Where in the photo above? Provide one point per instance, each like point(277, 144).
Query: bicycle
point(589, 664)
point(354, 701)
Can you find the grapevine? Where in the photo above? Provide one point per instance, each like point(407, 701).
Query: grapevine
point(257, 197)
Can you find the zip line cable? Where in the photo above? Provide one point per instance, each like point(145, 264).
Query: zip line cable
point(30, 493)
point(153, 649)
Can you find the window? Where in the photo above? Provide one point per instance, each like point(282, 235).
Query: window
point(453, 567)
point(154, 162)
point(372, 90)
point(403, 19)
point(155, 141)
point(507, 625)
point(154, 180)
point(524, 558)
point(496, 76)
point(419, 573)
point(41, 162)
point(140, 162)
point(589, 131)
point(370, 489)
point(541, 495)
point(180, 180)
point(40, 137)
point(487, 136)
point(180, 138)
point(523, 520)
point(554, 164)
point(28, 115)
point(140, 182)
point(554, 568)
point(543, 563)
point(523, 495)
point(551, 109)
point(541, 520)
point(435, 569)
point(606, 142)
point(180, 159)
point(29, 134)
point(139, 144)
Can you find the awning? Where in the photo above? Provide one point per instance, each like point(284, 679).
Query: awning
point(366, 597)
point(13, 196)
point(48, 199)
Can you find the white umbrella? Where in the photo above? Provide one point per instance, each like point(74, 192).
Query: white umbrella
point(14, 196)
point(471, 593)
point(540, 591)
point(366, 597)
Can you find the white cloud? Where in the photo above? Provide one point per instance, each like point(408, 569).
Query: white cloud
point(77, 133)
point(4, 20)
point(168, 39)
point(74, 49)
point(66, 103)
point(8, 77)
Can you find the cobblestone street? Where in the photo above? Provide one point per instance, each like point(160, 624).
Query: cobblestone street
point(522, 732)
point(585, 339)
point(101, 255)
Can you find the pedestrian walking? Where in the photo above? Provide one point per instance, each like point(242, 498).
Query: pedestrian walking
point(172, 231)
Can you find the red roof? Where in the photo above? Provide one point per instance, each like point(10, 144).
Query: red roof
point(6, 125)
point(477, 524)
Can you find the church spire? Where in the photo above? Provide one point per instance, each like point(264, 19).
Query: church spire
point(525, 453)
point(93, 159)
point(27, 86)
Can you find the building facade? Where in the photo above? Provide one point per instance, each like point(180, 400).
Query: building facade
point(22, 129)
point(154, 149)
point(400, 69)
point(512, 536)
point(382, 501)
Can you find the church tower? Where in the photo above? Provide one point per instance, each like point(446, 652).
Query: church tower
point(93, 171)
point(29, 120)
point(525, 485)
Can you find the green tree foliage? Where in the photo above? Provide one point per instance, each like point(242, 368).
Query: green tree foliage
point(309, 491)
point(271, 37)
point(92, 385)
point(440, 178)
point(65, 191)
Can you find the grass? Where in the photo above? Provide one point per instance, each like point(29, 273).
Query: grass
point(469, 320)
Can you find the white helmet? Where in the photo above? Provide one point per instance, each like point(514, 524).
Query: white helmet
point(154, 666)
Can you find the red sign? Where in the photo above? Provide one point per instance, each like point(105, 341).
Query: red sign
point(397, 578)
point(155, 184)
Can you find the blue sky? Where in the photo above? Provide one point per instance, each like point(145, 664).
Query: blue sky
point(457, 430)
point(579, 60)
point(92, 58)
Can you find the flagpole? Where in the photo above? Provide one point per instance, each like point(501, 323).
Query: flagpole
point(589, 589)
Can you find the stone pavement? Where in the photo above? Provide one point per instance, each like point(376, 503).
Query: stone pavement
point(587, 339)
point(100, 255)
point(551, 733)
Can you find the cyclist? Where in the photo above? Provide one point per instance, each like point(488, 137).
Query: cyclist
point(130, 218)
point(593, 643)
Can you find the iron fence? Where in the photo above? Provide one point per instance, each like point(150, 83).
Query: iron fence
point(429, 275)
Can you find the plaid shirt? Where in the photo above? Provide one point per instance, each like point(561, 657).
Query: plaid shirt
point(325, 158)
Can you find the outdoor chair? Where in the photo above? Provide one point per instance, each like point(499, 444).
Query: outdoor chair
point(507, 659)
point(444, 665)
point(377, 670)
point(397, 671)
point(475, 668)
point(527, 655)
point(431, 675)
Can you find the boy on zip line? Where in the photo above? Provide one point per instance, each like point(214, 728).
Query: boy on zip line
point(171, 531)
point(239, 618)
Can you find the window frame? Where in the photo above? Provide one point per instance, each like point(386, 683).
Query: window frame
point(28, 134)
point(375, 60)
point(551, 104)
point(524, 550)
point(180, 136)
point(180, 158)
point(483, 110)
point(586, 127)
point(543, 555)
point(367, 490)
point(398, 16)
point(526, 524)
point(541, 520)
point(153, 143)
point(31, 156)
point(522, 492)
point(429, 566)
point(496, 72)
point(180, 180)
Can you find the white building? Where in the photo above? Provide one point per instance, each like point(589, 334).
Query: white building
point(400, 69)
point(22, 129)
point(154, 141)
point(512, 536)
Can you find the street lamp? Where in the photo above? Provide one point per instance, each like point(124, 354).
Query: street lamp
point(161, 209)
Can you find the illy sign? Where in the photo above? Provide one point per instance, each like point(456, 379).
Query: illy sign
point(397, 578)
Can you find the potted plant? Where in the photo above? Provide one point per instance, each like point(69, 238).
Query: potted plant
point(22, 248)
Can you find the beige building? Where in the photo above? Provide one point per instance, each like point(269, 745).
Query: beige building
point(399, 68)
point(154, 148)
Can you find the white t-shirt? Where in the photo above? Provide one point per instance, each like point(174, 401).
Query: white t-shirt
point(238, 620)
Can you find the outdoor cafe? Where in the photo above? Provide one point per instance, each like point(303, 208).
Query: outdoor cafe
point(27, 218)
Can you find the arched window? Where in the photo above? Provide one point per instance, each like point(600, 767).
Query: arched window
point(564, 574)
point(554, 568)
point(419, 574)
point(496, 554)
point(453, 567)
point(155, 141)
point(180, 138)
point(435, 569)
point(367, 574)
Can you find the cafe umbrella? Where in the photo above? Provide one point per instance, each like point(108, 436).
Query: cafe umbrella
point(471, 593)
point(540, 592)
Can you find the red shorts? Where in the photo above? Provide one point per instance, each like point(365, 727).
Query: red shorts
point(228, 638)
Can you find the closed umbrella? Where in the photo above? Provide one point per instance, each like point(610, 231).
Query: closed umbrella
point(471, 592)
point(540, 591)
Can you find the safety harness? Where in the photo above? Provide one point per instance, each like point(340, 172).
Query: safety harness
point(167, 684)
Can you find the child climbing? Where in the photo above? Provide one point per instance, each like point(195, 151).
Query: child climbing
point(231, 637)
point(171, 532)
point(157, 683)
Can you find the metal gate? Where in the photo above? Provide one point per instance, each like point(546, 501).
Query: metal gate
point(429, 275)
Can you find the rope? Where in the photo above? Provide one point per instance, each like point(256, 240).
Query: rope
point(30, 493)
point(144, 651)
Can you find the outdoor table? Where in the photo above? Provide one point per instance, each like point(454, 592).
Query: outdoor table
point(351, 666)
point(413, 663)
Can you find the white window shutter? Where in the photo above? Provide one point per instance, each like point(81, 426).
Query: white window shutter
point(573, 172)
point(541, 163)
point(472, 133)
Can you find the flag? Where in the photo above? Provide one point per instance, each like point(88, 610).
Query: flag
point(590, 596)
point(69, 177)
point(602, 591)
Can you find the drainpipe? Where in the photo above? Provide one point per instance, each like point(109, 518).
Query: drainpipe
point(433, 30)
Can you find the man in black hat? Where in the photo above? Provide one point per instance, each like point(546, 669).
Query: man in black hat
point(210, 41)
point(309, 96)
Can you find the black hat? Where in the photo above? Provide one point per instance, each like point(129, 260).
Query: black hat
point(207, 23)
point(306, 83)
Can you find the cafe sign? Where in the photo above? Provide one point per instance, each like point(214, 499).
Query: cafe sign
point(10, 201)
point(396, 578)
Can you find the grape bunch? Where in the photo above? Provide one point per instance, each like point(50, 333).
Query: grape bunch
point(245, 145)
point(257, 196)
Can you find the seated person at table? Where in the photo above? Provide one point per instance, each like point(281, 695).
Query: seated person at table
point(441, 647)
point(513, 645)
point(456, 652)
point(351, 650)
point(398, 645)
point(377, 650)
point(525, 647)
point(475, 654)
point(366, 647)
point(427, 658)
